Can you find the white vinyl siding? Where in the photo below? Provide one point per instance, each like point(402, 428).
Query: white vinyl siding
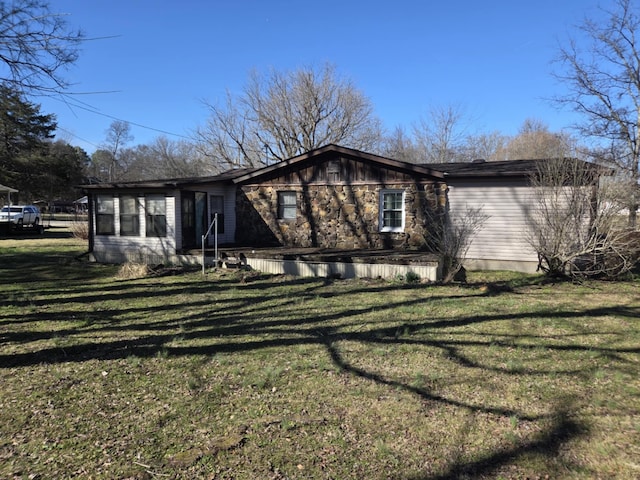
point(141, 246)
point(508, 205)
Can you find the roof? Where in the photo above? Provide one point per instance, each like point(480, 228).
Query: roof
point(331, 149)
point(224, 177)
point(7, 189)
point(475, 169)
point(504, 168)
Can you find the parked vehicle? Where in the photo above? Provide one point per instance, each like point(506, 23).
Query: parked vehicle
point(20, 215)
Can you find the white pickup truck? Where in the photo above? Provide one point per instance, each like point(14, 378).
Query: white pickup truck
point(20, 215)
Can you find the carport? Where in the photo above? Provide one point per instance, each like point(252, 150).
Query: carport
point(6, 191)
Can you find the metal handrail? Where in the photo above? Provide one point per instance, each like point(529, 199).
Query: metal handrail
point(213, 224)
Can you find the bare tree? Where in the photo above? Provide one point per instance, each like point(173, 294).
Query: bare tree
point(574, 226)
point(440, 137)
point(604, 86)
point(534, 141)
point(118, 135)
point(451, 234)
point(164, 158)
point(110, 162)
point(35, 45)
point(400, 146)
point(485, 146)
point(281, 115)
point(177, 159)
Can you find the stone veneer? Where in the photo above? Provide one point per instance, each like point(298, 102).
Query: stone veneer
point(331, 216)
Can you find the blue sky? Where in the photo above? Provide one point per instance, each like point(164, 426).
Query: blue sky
point(160, 59)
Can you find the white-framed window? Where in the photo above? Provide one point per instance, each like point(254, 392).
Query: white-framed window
point(392, 210)
point(287, 205)
point(156, 215)
point(129, 217)
point(105, 215)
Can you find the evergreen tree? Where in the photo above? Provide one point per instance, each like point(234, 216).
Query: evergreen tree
point(24, 135)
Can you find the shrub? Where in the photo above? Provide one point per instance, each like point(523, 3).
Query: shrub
point(80, 230)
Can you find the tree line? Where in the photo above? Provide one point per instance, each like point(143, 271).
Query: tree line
point(282, 114)
point(46, 169)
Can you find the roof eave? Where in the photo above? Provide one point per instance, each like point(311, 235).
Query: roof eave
point(410, 167)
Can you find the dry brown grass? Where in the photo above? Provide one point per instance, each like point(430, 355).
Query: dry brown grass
point(130, 270)
point(80, 230)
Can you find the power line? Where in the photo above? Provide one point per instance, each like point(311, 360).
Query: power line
point(135, 124)
point(88, 108)
point(68, 132)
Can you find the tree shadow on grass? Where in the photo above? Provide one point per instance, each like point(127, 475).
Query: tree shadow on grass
point(548, 444)
point(244, 324)
point(563, 429)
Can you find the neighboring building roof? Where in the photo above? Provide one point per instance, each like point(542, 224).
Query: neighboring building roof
point(7, 189)
point(331, 149)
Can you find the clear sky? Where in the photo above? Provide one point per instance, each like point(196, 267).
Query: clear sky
point(160, 59)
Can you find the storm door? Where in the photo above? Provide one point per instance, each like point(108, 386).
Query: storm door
point(194, 218)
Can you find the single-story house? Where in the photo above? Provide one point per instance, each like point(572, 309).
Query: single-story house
point(330, 200)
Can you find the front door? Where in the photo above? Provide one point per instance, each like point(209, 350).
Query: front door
point(194, 218)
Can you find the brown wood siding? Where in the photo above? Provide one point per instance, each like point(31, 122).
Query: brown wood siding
point(351, 172)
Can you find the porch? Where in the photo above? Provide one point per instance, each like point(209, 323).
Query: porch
point(331, 263)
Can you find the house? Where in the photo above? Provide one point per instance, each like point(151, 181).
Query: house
point(332, 198)
point(331, 211)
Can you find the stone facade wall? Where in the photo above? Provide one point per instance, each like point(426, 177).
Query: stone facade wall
point(331, 216)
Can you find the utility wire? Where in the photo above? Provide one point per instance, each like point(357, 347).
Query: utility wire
point(88, 108)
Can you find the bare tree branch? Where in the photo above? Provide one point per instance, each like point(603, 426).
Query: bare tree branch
point(35, 45)
point(604, 86)
point(575, 222)
point(283, 114)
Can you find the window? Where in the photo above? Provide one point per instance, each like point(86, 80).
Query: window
point(333, 171)
point(188, 211)
point(105, 224)
point(287, 205)
point(392, 211)
point(156, 216)
point(216, 204)
point(129, 219)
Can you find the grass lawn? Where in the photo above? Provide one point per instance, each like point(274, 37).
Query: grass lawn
point(248, 376)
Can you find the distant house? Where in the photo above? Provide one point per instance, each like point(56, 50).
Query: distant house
point(330, 199)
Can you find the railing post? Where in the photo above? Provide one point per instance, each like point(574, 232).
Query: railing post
point(215, 237)
point(204, 238)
